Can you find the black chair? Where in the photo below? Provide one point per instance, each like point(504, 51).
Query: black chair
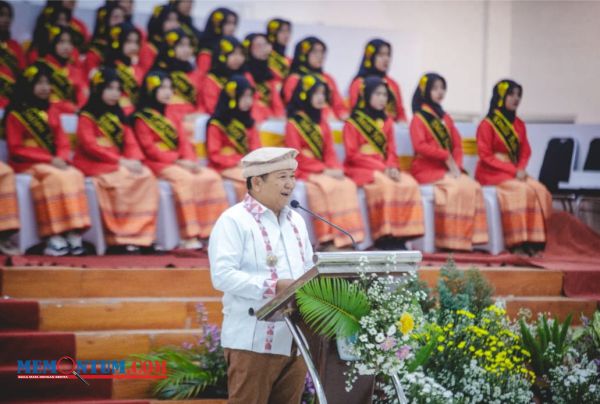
point(592, 160)
point(556, 167)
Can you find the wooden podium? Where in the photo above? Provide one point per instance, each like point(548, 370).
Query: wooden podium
point(343, 265)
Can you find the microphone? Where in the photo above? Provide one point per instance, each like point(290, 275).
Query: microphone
point(296, 205)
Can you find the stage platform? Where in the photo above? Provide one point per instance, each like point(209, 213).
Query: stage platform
point(111, 307)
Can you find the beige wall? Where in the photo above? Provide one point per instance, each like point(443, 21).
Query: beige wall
point(555, 52)
point(551, 47)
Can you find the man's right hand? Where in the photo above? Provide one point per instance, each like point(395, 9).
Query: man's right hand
point(283, 284)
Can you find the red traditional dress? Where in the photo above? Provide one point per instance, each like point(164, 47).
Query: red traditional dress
point(395, 207)
point(460, 219)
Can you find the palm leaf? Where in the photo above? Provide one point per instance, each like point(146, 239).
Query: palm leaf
point(565, 329)
point(332, 306)
point(185, 379)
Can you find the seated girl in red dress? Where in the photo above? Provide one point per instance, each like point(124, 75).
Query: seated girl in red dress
point(221, 22)
point(123, 56)
point(163, 19)
point(393, 197)
point(504, 152)
point(69, 86)
point(279, 32)
point(376, 62)
point(38, 146)
point(12, 59)
point(230, 132)
point(112, 16)
point(174, 59)
point(309, 58)
point(59, 13)
point(228, 60)
point(198, 191)
point(330, 193)
point(108, 152)
point(460, 219)
point(267, 101)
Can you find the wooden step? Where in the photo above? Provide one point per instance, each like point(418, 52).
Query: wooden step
point(121, 344)
point(555, 305)
point(510, 281)
point(56, 282)
point(124, 389)
point(198, 401)
point(125, 313)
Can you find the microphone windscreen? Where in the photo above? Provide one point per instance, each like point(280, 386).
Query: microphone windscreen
point(294, 203)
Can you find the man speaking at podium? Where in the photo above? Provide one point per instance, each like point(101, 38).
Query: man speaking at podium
point(256, 249)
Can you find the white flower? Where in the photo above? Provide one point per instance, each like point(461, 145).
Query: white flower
point(379, 338)
point(391, 331)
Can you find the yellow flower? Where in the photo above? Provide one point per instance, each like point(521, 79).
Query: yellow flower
point(406, 323)
point(465, 313)
point(441, 338)
point(440, 348)
point(462, 344)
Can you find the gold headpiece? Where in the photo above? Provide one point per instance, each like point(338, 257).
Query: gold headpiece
point(502, 88)
point(152, 82)
point(423, 84)
point(230, 88)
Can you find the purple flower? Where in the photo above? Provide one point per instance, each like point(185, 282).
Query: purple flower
point(403, 352)
point(187, 345)
point(388, 344)
point(585, 321)
point(309, 387)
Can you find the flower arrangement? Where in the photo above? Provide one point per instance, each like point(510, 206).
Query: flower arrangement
point(478, 357)
point(452, 346)
point(375, 313)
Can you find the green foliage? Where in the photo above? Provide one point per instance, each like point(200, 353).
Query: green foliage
point(459, 290)
point(423, 354)
point(332, 306)
point(587, 338)
point(549, 344)
point(186, 378)
point(415, 286)
point(195, 369)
